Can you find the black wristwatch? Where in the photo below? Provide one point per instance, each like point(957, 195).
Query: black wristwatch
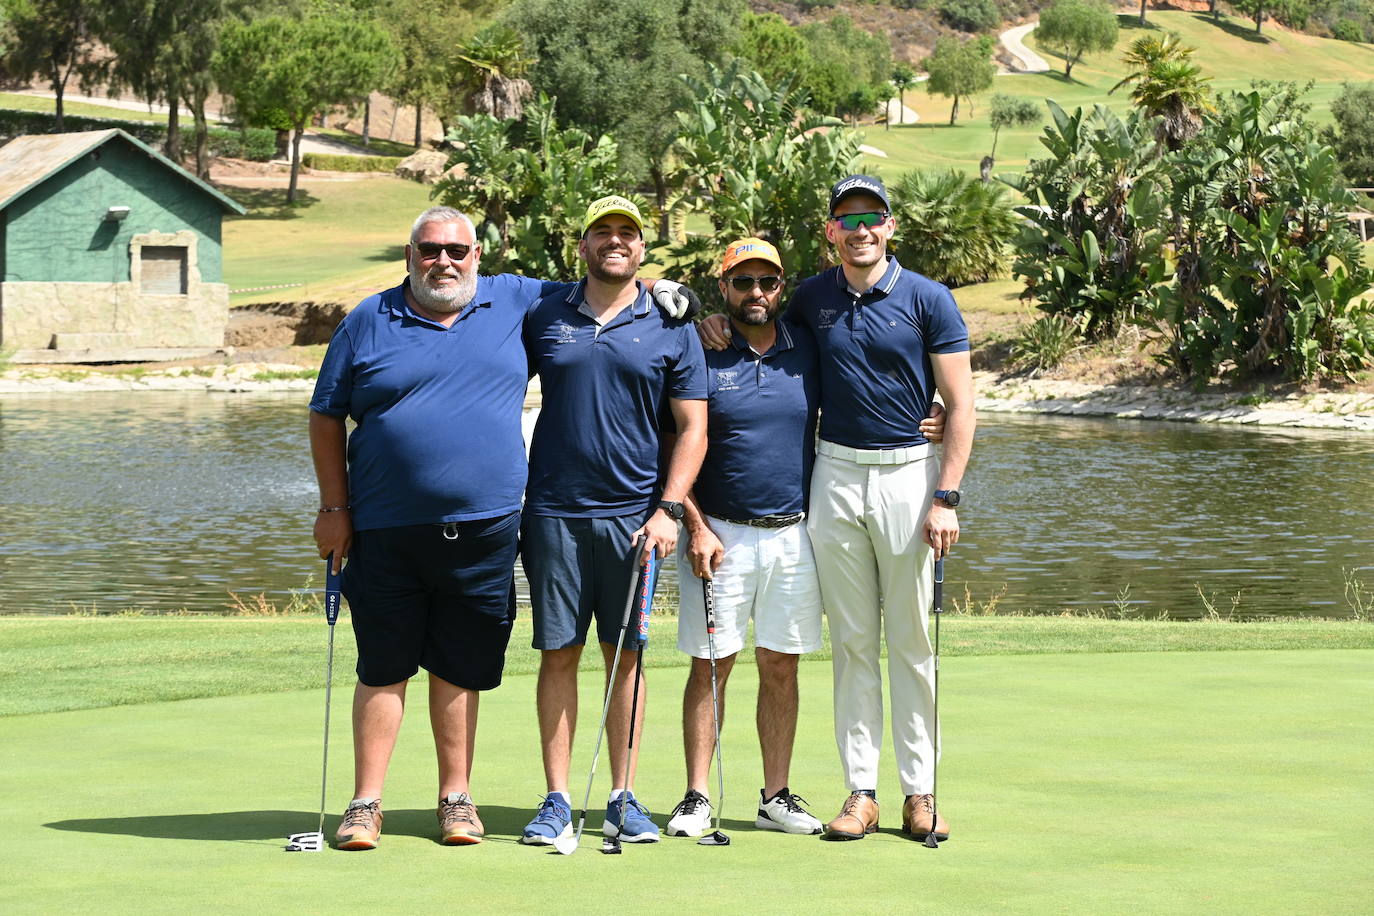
point(676, 511)
point(951, 497)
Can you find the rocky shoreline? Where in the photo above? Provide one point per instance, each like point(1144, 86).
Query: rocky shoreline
point(1352, 410)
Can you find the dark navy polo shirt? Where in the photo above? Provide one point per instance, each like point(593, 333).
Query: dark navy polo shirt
point(876, 379)
point(595, 452)
point(437, 409)
point(762, 427)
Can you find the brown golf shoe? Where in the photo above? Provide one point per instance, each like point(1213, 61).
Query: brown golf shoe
point(856, 819)
point(459, 824)
point(362, 825)
point(916, 817)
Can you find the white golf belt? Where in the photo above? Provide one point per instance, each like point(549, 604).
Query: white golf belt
point(874, 455)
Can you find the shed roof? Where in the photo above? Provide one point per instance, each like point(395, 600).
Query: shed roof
point(27, 161)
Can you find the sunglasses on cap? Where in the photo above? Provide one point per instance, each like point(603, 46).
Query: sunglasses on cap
point(430, 250)
point(851, 221)
point(743, 283)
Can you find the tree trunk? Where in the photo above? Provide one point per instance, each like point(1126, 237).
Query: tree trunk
point(901, 106)
point(1142, 12)
point(367, 121)
point(954, 112)
point(202, 135)
point(418, 113)
point(173, 146)
point(59, 85)
point(661, 196)
point(1069, 61)
point(295, 162)
point(995, 132)
point(1215, 10)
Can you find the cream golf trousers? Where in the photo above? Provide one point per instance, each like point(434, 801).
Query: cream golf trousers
point(867, 509)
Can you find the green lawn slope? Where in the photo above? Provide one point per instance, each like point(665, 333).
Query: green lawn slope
point(1129, 782)
point(1228, 52)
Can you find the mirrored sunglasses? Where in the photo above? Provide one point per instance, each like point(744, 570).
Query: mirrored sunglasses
point(743, 283)
point(851, 221)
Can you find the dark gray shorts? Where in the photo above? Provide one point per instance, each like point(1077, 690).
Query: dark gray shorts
point(579, 568)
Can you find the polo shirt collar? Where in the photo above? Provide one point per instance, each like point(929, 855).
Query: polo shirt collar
point(395, 302)
point(638, 309)
point(781, 343)
point(884, 284)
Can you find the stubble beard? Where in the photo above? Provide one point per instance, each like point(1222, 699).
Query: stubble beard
point(623, 271)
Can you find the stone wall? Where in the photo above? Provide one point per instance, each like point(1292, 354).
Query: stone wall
point(103, 316)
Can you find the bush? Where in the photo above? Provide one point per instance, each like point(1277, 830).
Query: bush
point(1348, 30)
point(970, 15)
point(951, 227)
point(335, 163)
point(1044, 343)
point(16, 123)
point(256, 143)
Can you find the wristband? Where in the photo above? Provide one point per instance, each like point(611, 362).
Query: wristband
point(334, 508)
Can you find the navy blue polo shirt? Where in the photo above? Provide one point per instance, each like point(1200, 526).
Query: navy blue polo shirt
point(762, 427)
point(877, 383)
point(595, 451)
point(437, 409)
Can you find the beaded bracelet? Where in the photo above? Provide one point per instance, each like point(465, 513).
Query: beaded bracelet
point(335, 508)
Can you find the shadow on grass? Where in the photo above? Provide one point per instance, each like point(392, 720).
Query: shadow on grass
point(503, 825)
point(1234, 29)
point(390, 253)
point(268, 203)
point(1131, 21)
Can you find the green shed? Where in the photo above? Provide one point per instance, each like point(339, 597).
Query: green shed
point(108, 251)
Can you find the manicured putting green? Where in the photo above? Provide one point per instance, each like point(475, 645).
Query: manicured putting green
point(1148, 782)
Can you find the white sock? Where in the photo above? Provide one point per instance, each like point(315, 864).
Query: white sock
point(563, 795)
point(615, 795)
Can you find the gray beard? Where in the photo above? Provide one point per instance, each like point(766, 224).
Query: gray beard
point(446, 300)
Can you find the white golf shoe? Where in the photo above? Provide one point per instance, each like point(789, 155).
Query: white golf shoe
point(784, 812)
point(692, 816)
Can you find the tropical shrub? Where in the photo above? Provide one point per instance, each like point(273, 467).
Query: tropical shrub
point(951, 227)
point(970, 15)
point(1352, 137)
point(1095, 226)
point(1044, 343)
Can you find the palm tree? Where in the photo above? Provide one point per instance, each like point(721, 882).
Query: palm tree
point(497, 65)
point(903, 77)
point(1168, 85)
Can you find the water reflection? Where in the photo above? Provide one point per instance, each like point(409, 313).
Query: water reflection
point(165, 500)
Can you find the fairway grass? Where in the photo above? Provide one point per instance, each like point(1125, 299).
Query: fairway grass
point(1185, 782)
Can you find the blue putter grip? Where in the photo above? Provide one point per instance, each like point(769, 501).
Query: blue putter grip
point(333, 598)
point(939, 585)
point(648, 577)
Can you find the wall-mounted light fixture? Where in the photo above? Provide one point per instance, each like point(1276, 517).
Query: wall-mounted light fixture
point(116, 214)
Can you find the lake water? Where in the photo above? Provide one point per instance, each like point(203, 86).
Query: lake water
point(172, 500)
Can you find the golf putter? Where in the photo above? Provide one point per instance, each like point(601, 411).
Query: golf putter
point(611, 844)
point(567, 845)
point(938, 607)
point(333, 599)
point(708, 592)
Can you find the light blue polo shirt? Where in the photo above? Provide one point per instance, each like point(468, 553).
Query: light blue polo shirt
point(762, 427)
point(877, 383)
point(595, 451)
point(437, 409)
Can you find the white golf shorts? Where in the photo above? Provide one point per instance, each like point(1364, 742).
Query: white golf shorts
point(769, 575)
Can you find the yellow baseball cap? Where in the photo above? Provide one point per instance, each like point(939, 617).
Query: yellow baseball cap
point(747, 250)
point(613, 204)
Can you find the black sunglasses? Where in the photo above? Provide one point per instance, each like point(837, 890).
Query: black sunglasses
point(430, 250)
point(743, 283)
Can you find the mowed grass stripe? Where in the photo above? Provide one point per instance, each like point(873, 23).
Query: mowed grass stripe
point(1218, 782)
point(63, 663)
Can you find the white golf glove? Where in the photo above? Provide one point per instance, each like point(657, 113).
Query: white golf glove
point(676, 299)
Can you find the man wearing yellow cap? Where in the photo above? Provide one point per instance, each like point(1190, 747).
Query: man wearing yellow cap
point(612, 368)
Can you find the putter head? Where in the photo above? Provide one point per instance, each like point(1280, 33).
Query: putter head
point(611, 846)
point(931, 842)
point(715, 838)
point(305, 842)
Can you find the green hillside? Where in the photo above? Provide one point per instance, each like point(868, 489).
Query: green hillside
point(1227, 51)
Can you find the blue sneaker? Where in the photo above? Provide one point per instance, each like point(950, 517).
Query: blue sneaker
point(638, 827)
point(553, 820)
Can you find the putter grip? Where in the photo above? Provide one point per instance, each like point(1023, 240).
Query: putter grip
point(333, 598)
point(708, 593)
point(939, 583)
point(648, 577)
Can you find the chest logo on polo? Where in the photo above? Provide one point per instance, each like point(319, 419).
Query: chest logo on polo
point(727, 380)
point(566, 333)
point(825, 318)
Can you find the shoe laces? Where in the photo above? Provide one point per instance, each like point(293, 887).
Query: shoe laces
point(548, 809)
point(461, 808)
point(926, 803)
point(634, 803)
point(793, 803)
point(690, 803)
point(361, 815)
point(851, 803)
